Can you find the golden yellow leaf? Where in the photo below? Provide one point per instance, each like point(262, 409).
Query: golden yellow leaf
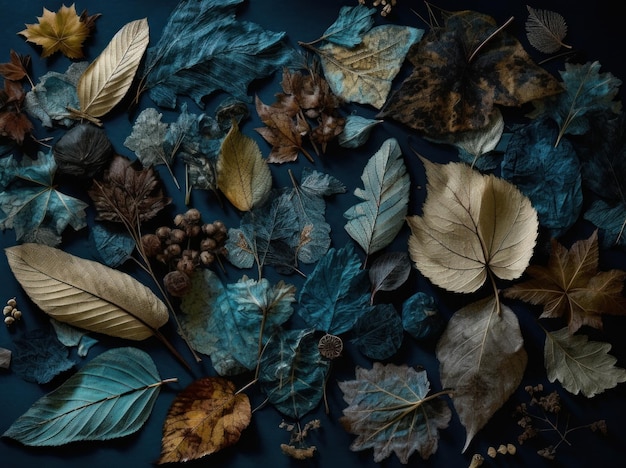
point(62, 31)
point(243, 175)
point(204, 418)
point(85, 293)
point(473, 225)
point(107, 79)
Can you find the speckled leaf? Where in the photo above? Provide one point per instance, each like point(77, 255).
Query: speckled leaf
point(378, 333)
point(39, 356)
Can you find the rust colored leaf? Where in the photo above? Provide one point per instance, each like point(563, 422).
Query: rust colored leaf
point(13, 122)
point(17, 68)
point(204, 418)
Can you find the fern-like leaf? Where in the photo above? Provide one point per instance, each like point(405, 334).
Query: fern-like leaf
point(546, 30)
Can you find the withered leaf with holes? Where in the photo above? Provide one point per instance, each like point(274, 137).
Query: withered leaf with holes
point(461, 72)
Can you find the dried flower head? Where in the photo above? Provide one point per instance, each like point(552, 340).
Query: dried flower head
point(330, 346)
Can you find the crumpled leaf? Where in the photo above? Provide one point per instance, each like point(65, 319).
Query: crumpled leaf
point(364, 73)
point(356, 131)
point(63, 31)
point(17, 67)
point(86, 294)
point(39, 357)
point(482, 359)
point(71, 336)
point(549, 176)
point(292, 373)
point(147, 137)
point(350, 25)
point(471, 224)
point(388, 410)
point(336, 293)
point(243, 176)
point(378, 333)
point(582, 366)
point(545, 30)
point(388, 272)
point(457, 81)
point(571, 286)
point(421, 317)
point(107, 79)
point(31, 203)
point(204, 48)
point(206, 417)
point(111, 396)
point(377, 220)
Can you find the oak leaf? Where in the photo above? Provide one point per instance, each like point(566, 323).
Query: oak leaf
point(63, 31)
point(570, 285)
point(204, 418)
point(473, 226)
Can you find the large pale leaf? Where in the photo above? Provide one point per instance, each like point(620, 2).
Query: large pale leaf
point(364, 73)
point(110, 397)
point(107, 79)
point(243, 176)
point(471, 224)
point(376, 221)
point(86, 294)
point(482, 359)
point(582, 366)
point(205, 417)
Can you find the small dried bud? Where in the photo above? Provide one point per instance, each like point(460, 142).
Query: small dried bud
point(173, 250)
point(151, 245)
point(7, 310)
point(8, 320)
point(193, 215)
point(185, 265)
point(179, 220)
point(163, 232)
point(12, 302)
point(194, 231)
point(177, 236)
point(177, 283)
point(208, 244)
point(220, 226)
point(209, 229)
point(491, 451)
point(206, 257)
point(511, 449)
point(477, 460)
point(502, 449)
point(16, 314)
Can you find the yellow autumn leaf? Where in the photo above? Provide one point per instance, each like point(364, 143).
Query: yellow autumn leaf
point(62, 31)
point(243, 175)
point(473, 226)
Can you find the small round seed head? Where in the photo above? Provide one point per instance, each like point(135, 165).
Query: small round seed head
point(492, 452)
point(330, 346)
point(151, 244)
point(206, 257)
point(12, 302)
point(7, 310)
point(177, 283)
point(179, 220)
point(16, 314)
point(8, 320)
point(511, 449)
point(163, 232)
point(177, 236)
point(193, 215)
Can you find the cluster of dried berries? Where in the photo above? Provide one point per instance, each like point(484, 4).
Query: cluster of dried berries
point(385, 5)
point(11, 312)
point(548, 408)
point(189, 244)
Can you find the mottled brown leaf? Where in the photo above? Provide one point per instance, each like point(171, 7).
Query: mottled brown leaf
point(204, 418)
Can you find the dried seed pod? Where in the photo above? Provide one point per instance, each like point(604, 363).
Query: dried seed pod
point(208, 244)
point(193, 215)
point(177, 283)
point(8, 320)
point(492, 452)
point(151, 245)
point(7, 310)
point(12, 302)
point(502, 449)
point(177, 236)
point(330, 346)
point(209, 229)
point(206, 258)
point(186, 265)
point(511, 449)
point(83, 151)
point(16, 314)
point(163, 232)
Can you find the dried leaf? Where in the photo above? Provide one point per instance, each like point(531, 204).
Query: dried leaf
point(111, 396)
point(39, 357)
point(545, 30)
point(388, 272)
point(14, 123)
point(421, 317)
point(71, 336)
point(112, 242)
point(356, 131)
point(482, 358)
point(147, 138)
point(86, 294)
point(378, 333)
point(83, 151)
point(350, 25)
point(204, 418)
point(472, 224)
point(390, 410)
point(17, 68)
point(243, 175)
point(580, 365)
point(5, 358)
point(107, 79)
point(570, 285)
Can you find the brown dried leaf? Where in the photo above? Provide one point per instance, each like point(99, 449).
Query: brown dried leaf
point(17, 68)
point(546, 30)
point(13, 122)
point(204, 418)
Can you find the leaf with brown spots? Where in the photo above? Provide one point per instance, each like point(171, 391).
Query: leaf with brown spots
point(462, 71)
point(204, 418)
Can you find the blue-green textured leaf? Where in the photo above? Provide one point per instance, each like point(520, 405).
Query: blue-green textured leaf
point(336, 293)
point(356, 131)
point(421, 317)
point(292, 372)
point(350, 25)
point(611, 220)
point(379, 332)
point(204, 49)
point(110, 397)
point(39, 356)
point(112, 242)
point(72, 336)
point(548, 175)
point(147, 136)
point(375, 222)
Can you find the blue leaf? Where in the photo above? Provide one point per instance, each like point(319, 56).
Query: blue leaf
point(113, 243)
point(356, 131)
point(379, 332)
point(421, 317)
point(611, 220)
point(350, 25)
point(39, 356)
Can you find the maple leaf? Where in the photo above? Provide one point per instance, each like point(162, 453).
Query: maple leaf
point(461, 72)
point(63, 31)
point(17, 68)
point(570, 285)
point(13, 122)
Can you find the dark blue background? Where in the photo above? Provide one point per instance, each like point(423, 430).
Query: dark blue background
point(596, 32)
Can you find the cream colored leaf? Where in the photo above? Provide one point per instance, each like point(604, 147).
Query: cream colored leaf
point(482, 358)
point(472, 224)
point(85, 293)
point(243, 175)
point(107, 79)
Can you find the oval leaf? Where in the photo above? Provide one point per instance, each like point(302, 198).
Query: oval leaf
point(389, 271)
point(86, 294)
point(204, 418)
point(107, 79)
point(111, 396)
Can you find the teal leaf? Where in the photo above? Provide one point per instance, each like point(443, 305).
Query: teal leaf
point(110, 397)
point(421, 317)
point(112, 242)
point(350, 25)
point(71, 336)
point(204, 48)
point(39, 356)
point(146, 138)
point(375, 222)
point(292, 372)
point(378, 332)
point(356, 131)
point(611, 220)
point(549, 176)
point(336, 293)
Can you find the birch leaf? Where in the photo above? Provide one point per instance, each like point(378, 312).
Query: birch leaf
point(107, 79)
point(471, 224)
point(376, 221)
point(546, 30)
point(111, 396)
point(582, 366)
point(482, 359)
point(243, 176)
point(86, 294)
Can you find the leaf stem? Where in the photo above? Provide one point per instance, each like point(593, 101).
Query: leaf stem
point(491, 36)
point(495, 292)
